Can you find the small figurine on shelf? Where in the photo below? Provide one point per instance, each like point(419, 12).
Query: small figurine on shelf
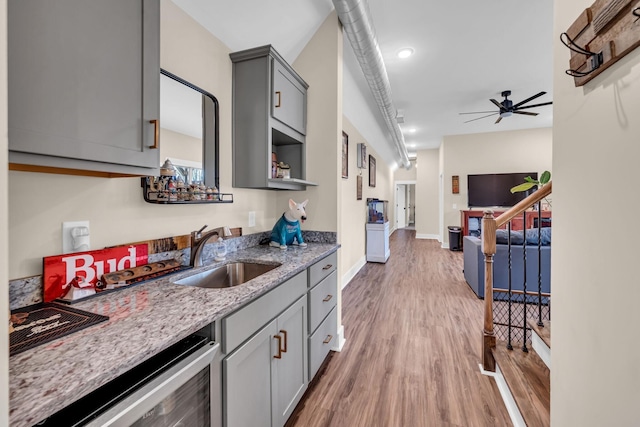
point(173, 191)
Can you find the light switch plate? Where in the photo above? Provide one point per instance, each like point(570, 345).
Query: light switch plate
point(75, 236)
point(252, 219)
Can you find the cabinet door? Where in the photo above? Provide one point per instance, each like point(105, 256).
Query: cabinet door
point(290, 372)
point(289, 99)
point(247, 380)
point(83, 82)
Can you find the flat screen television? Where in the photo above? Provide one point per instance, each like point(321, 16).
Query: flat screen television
point(492, 190)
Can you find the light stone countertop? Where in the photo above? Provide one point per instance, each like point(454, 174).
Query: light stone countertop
point(143, 320)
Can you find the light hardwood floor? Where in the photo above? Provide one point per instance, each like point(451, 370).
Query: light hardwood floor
point(413, 331)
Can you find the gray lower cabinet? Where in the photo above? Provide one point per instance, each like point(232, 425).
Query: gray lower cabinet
point(269, 117)
point(84, 85)
point(265, 378)
point(323, 318)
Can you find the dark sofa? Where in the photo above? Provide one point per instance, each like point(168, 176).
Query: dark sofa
point(474, 265)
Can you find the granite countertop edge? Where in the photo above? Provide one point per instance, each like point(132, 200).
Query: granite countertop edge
point(143, 320)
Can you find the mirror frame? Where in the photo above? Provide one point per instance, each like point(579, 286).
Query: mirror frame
point(210, 155)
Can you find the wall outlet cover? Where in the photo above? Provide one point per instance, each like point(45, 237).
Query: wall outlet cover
point(75, 236)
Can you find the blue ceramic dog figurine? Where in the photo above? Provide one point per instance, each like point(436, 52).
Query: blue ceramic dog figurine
point(287, 229)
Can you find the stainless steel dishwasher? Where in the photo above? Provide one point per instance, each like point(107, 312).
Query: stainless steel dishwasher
point(174, 388)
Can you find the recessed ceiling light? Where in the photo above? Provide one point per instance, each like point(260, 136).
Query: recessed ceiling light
point(412, 130)
point(405, 52)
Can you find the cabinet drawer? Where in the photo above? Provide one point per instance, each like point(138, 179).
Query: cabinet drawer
point(322, 269)
point(321, 342)
point(239, 326)
point(322, 299)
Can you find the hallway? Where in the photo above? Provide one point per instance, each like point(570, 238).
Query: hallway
point(413, 331)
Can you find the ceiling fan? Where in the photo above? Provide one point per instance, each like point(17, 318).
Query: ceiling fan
point(507, 108)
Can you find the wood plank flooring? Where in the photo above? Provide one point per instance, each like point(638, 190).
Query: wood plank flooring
point(529, 381)
point(543, 332)
point(413, 337)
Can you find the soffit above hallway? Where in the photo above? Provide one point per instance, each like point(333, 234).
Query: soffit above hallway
point(465, 53)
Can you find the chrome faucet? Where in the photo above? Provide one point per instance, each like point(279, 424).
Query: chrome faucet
point(198, 240)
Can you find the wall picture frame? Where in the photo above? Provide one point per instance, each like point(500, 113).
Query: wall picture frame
point(362, 156)
point(372, 171)
point(345, 155)
point(359, 187)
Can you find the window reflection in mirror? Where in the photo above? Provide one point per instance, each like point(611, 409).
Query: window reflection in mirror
point(189, 130)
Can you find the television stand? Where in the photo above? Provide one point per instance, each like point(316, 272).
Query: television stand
point(475, 217)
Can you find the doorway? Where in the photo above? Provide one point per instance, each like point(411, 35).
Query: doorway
point(405, 205)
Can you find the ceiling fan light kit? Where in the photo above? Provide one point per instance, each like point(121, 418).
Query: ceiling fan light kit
point(506, 108)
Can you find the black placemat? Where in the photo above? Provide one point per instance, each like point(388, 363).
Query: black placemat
point(40, 323)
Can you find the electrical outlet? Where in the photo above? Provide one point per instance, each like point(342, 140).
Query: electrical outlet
point(75, 236)
point(455, 206)
point(252, 219)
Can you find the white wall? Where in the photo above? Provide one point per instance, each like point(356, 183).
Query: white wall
point(595, 377)
point(427, 192)
point(493, 152)
point(4, 222)
point(39, 203)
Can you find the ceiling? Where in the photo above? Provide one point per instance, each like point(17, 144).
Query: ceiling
point(465, 53)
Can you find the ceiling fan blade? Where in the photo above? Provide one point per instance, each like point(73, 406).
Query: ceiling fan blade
point(525, 113)
point(479, 112)
point(529, 99)
point(478, 118)
point(498, 121)
point(500, 106)
point(536, 105)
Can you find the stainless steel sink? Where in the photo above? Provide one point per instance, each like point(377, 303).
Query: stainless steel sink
point(226, 276)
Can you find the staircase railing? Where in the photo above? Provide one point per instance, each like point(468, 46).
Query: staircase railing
point(525, 299)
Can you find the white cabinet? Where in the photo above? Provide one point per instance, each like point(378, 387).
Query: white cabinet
point(84, 85)
point(378, 242)
point(269, 116)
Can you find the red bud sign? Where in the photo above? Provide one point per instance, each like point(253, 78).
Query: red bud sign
point(82, 270)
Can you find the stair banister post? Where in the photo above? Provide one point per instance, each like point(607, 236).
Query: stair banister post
point(488, 249)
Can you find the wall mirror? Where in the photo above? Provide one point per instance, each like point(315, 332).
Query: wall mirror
point(189, 130)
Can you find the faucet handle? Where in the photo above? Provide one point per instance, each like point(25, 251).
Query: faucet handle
point(198, 234)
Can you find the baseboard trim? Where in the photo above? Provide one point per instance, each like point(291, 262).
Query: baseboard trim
point(428, 236)
point(341, 340)
point(507, 397)
point(541, 348)
point(445, 245)
point(349, 275)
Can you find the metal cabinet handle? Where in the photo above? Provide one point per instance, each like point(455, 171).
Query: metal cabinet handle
point(279, 355)
point(279, 95)
point(283, 332)
point(328, 266)
point(327, 298)
point(328, 339)
point(156, 133)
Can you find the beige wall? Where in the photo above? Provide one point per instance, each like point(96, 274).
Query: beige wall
point(427, 193)
point(4, 221)
point(39, 203)
point(319, 64)
point(353, 211)
point(180, 146)
point(402, 174)
point(595, 377)
point(493, 152)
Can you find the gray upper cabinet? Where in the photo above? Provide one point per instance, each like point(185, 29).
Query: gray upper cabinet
point(84, 85)
point(269, 116)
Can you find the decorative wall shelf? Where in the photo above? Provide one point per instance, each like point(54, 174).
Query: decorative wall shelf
point(603, 34)
point(176, 197)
